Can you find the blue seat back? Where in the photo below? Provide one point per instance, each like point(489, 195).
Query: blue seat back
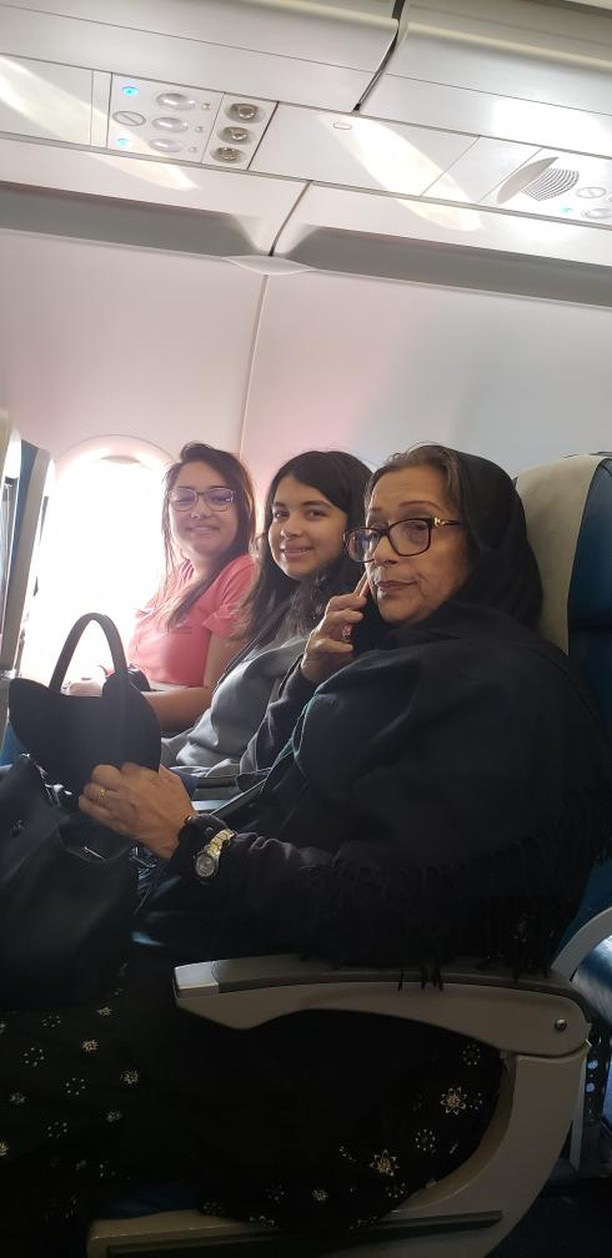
point(589, 613)
point(568, 509)
point(589, 609)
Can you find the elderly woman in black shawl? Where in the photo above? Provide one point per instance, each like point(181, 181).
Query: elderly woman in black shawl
point(438, 787)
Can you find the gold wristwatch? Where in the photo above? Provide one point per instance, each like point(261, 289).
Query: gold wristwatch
point(206, 859)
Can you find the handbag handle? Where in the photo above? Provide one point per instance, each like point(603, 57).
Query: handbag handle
point(111, 634)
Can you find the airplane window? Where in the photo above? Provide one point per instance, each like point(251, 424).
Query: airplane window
point(101, 551)
point(8, 504)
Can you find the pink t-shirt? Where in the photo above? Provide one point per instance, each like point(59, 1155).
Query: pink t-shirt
point(177, 656)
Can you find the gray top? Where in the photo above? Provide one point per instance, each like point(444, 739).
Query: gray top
point(217, 745)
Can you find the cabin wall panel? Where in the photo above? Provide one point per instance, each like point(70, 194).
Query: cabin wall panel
point(97, 340)
point(374, 366)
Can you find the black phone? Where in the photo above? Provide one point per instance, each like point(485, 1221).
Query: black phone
point(369, 633)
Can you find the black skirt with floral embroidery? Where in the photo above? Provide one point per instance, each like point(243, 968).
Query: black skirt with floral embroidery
point(319, 1123)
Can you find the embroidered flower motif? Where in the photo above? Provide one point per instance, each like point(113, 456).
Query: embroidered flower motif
point(263, 1219)
point(367, 1222)
point(426, 1140)
point(71, 1208)
point(453, 1101)
point(51, 1020)
point(17, 1098)
point(105, 1170)
point(471, 1054)
point(33, 1056)
point(210, 1207)
point(347, 1155)
point(74, 1086)
point(80, 1165)
point(56, 1130)
point(320, 1195)
point(476, 1101)
point(385, 1163)
point(114, 1116)
point(89, 1046)
point(397, 1192)
point(130, 1078)
point(104, 1012)
point(4, 1148)
point(275, 1193)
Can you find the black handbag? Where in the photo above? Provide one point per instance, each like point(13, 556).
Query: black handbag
point(68, 885)
point(68, 892)
point(68, 735)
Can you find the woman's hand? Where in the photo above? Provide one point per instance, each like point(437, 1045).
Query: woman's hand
point(90, 685)
point(151, 807)
point(329, 646)
point(83, 687)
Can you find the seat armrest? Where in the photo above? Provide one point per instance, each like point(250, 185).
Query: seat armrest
point(541, 1014)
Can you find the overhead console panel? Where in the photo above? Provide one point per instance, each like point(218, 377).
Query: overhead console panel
point(309, 53)
point(317, 131)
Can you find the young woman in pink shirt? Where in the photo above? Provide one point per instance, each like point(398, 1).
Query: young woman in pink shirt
point(188, 633)
point(186, 636)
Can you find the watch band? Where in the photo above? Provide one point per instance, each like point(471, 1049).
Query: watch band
point(204, 861)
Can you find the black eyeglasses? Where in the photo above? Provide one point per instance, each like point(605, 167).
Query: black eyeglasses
point(407, 537)
point(216, 498)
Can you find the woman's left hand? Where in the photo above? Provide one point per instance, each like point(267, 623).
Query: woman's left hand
point(135, 801)
point(84, 687)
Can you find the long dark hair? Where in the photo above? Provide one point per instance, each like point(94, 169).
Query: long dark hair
point(233, 474)
point(342, 479)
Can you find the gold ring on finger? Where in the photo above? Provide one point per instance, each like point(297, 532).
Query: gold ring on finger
point(102, 793)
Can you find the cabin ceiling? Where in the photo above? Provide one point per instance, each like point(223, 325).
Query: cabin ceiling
point(482, 126)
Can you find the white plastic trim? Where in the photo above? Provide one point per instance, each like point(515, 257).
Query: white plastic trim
point(106, 446)
point(586, 938)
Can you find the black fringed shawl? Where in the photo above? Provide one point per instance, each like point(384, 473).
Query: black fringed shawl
point(458, 781)
point(445, 793)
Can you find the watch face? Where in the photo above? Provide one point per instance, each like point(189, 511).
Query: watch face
point(205, 864)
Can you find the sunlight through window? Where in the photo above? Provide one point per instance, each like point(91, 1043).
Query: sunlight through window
point(101, 551)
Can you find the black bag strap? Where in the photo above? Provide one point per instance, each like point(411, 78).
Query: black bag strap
point(111, 634)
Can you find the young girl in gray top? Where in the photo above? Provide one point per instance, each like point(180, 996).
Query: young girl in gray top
point(312, 500)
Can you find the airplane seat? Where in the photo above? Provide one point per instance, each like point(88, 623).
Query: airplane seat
point(568, 506)
point(540, 1024)
point(590, 644)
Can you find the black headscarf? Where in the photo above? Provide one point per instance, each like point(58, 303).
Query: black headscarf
point(505, 574)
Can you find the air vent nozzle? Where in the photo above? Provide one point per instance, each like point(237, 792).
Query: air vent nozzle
point(541, 180)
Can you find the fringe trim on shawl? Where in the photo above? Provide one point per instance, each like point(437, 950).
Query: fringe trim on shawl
point(509, 906)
